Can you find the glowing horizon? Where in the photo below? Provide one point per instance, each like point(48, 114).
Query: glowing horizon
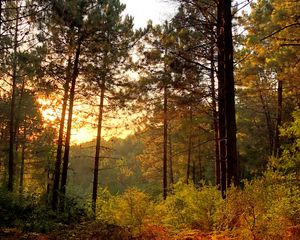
point(85, 129)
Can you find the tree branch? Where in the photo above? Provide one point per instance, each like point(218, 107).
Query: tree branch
point(281, 29)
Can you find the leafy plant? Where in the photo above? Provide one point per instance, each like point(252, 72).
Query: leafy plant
point(190, 207)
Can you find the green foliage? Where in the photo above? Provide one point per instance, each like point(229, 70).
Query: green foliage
point(119, 169)
point(131, 209)
point(189, 207)
point(14, 210)
point(266, 208)
point(29, 213)
point(290, 160)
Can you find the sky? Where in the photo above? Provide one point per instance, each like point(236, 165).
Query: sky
point(143, 10)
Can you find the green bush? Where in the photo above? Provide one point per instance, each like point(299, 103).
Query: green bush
point(14, 209)
point(105, 207)
point(29, 213)
point(131, 209)
point(189, 207)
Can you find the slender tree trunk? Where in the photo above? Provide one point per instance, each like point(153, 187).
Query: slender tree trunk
point(232, 160)
point(215, 115)
point(12, 107)
point(171, 159)
point(200, 164)
point(165, 159)
point(55, 190)
point(276, 150)
point(188, 170)
point(268, 121)
point(69, 124)
point(98, 147)
point(48, 180)
point(194, 172)
point(18, 111)
point(221, 96)
point(22, 164)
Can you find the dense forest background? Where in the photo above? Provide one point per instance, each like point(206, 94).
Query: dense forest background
point(196, 120)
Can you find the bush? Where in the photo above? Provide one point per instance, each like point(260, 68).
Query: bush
point(189, 207)
point(14, 209)
point(131, 209)
point(266, 208)
point(29, 213)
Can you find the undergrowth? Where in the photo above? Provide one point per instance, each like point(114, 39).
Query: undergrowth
point(266, 208)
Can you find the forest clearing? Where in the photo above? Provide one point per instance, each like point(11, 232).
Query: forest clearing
point(184, 129)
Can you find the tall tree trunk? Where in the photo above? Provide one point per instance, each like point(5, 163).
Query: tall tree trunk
point(268, 121)
point(276, 150)
point(171, 177)
point(69, 124)
point(188, 169)
point(200, 163)
point(194, 172)
point(12, 106)
point(17, 115)
point(22, 163)
point(165, 159)
point(48, 180)
point(56, 180)
point(215, 114)
point(221, 96)
point(98, 147)
point(232, 160)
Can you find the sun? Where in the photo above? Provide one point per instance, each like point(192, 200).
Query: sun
point(81, 131)
point(84, 121)
point(83, 134)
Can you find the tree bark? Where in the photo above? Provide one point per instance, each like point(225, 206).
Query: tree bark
point(171, 177)
point(22, 164)
point(48, 180)
point(200, 163)
point(12, 106)
point(17, 115)
point(215, 115)
point(232, 160)
point(194, 172)
point(69, 124)
point(221, 96)
point(98, 147)
point(188, 170)
point(268, 121)
point(56, 180)
point(165, 159)
point(276, 150)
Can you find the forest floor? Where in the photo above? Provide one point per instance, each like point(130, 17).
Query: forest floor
point(89, 231)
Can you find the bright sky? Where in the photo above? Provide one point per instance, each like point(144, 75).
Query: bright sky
point(143, 10)
point(84, 118)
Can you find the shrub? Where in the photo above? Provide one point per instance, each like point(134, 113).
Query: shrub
point(131, 209)
point(189, 207)
point(266, 208)
point(106, 207)
point(29, 213)
point(14, 209)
